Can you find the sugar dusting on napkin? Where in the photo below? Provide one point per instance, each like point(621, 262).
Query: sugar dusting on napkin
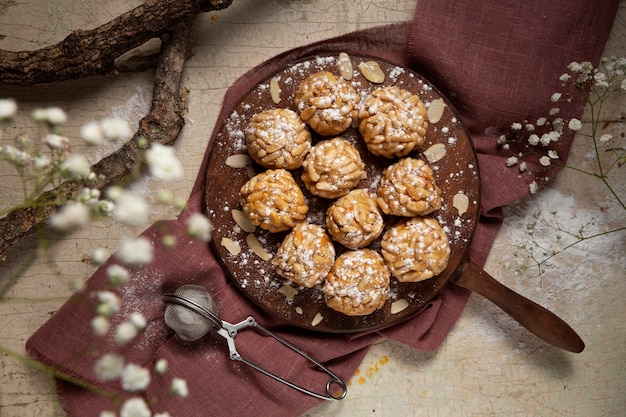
point(495, 62)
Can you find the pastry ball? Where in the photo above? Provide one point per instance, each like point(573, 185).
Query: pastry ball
point(327, 103)
point(415, 249)
point(273, 200)
point(355, 219)
point(278, 138)
point(392, 122)
point(305, 256)
point(332, 168)
point(408, 188)
point(358, 283)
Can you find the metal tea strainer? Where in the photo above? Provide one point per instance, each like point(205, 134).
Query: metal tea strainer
point(192, 313)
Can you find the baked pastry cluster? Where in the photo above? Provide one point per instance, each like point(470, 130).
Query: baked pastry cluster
point(355, 220)
point(305, 256)
point(273, 200)
point(415, 249)
point(393, 122)
point(278, 138)
point(408, 188)
point(327, 103)
point(332, 168)
point(358, 283)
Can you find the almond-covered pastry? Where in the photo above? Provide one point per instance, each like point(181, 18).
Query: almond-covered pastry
point(408, 188)
point(355, 219)
point(332, 168)
point(392, 122)
point(273, 200)
point(327, 103)
point(358, 283)
point(415, 249)
point(278, 138)
point(305, 256)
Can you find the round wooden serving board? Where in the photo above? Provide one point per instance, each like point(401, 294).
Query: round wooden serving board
point(456, 173)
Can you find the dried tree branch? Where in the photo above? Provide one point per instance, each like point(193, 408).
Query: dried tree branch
point(93, 52)
point(162, 124)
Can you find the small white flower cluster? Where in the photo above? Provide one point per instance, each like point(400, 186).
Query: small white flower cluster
point(135, 378)
point(539, 141)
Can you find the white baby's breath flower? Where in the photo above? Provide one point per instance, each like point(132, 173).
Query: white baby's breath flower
point(529, 127)
point(545, 161)
point(523, 166)
point(56, 142)
point(199, 227)
point(100, 325)
point(574, 124)
point(109, 367)
point(125, 332)
point(554, 111)
point(179, 388)
point(99, 256)
point(552, 154)
point(554, 136)
point(70, 217)
point(8, 108)
point(108, 303)
point(131, 209)
point(116, 129)
point(501, 139)
point(533, 187)
point(555, 97)
point(163, 163)
point(76, 165)
point(135, 378)
point(55, 116)
point(606, 138)
point(574, 66)
point(545, 139)
point(117, 275)
point(115, 192)
point(138, 251)
point(533, 139)
point(516, 126)
point(41, 163)
point(565, 77)
point(138, 320)
point(135, 407)
point(92, 133)
point(512, 160)
point(161, 366)
point(12, 154)
point(107, 414)
point(541, 121)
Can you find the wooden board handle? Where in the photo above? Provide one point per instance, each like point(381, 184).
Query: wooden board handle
point(535, 318)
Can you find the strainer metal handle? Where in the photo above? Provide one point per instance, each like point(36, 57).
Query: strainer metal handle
point(229, 332)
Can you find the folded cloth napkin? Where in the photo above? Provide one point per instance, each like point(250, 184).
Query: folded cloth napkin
point(497, 62)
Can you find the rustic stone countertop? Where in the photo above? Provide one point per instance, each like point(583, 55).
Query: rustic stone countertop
point(488, 366)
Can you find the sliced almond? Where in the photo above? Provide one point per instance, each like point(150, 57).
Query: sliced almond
point(257, 247)
point(240, 160)
point(435, 153)
point(345, 66)
point(299, 310)
point(372, 72)
point(317, 319)
point(243, 221)
point(289, 292)
point(275, 90)
point(435, 110)
point(461, 202)
point(231, 246)
point(399, 305)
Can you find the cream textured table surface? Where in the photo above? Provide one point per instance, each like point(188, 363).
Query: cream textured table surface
point(487, 366)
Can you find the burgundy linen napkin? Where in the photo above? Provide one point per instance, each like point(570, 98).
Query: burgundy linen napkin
point(498, 64)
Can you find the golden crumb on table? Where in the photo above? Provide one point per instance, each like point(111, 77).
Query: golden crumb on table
point(273, 200)
point(278, 138)
point(408, 188)
point(358, 283)
point(332, 168)
point(355, 219)
point(327, 103)
point(415, 249)
point(392, 122)
point(305, 256)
